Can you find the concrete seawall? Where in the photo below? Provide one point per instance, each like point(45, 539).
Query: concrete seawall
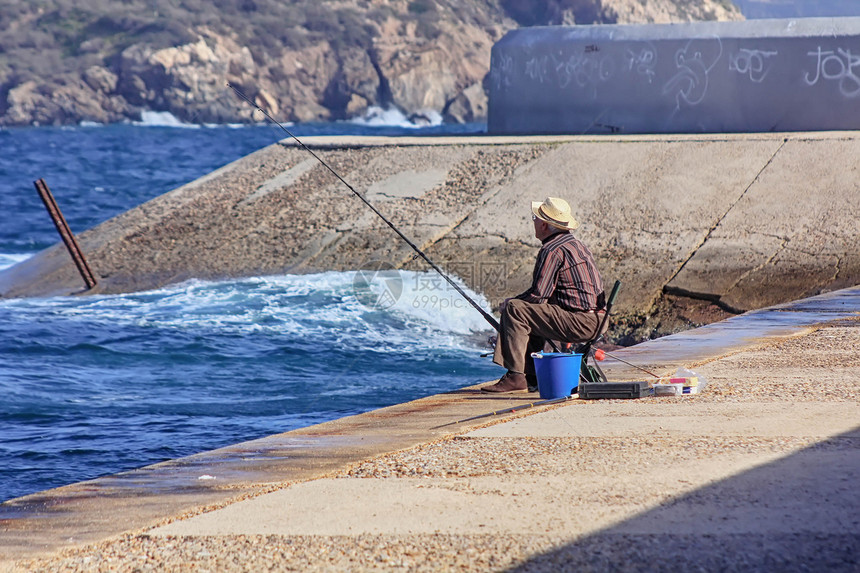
point(696, 77)
point(741, 221)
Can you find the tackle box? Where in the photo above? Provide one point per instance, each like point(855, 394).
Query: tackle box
point(610, 390)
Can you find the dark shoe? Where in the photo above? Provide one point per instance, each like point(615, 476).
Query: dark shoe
point(531, 381)
point(510, 382)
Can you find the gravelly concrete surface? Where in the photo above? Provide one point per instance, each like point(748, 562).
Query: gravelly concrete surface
point(779, 494)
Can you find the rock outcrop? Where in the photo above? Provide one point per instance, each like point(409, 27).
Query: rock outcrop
point(63, 65)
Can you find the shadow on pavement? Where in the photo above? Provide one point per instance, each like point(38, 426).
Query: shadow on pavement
point(800, 513)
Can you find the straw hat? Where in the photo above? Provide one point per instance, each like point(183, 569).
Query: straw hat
point(556, 212)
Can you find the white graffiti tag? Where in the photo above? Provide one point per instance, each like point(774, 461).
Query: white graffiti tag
point(501, 69)
point(586, 70)
point(695, 61)
point(537, 68)
point(836, 66)
point(644, 63)
point(752, 63)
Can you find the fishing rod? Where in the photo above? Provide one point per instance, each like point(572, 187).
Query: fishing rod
point(487, 316)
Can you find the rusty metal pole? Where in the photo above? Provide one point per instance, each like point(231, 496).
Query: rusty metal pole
point(65, 233)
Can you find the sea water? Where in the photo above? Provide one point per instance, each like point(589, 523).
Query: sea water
point(93, 385)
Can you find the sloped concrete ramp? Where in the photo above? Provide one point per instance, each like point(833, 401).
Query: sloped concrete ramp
point(744, 221)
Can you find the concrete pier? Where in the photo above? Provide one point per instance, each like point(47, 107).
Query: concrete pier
point(757, 473)
point(701, 77)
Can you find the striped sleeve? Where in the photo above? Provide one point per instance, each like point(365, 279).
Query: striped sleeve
point(544, 277)
point(565, 275)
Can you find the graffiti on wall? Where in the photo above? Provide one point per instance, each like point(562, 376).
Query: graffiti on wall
point(836, 66)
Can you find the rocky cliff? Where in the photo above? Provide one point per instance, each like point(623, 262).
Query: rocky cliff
point(68, 61)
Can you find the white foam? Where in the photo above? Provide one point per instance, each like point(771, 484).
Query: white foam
point(7, 260)
point(313, 307)
point(232, 125)
point(393, 117)
point(161, 119)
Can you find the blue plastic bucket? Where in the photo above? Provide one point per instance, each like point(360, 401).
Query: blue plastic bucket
point(557, 373)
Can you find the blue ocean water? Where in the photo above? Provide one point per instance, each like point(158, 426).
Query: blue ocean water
point(94, 385)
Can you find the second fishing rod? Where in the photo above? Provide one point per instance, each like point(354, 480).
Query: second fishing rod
point(487, 316)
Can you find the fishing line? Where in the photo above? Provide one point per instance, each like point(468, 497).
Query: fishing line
point(487, 316)
point(614, 357)
point(507, 411)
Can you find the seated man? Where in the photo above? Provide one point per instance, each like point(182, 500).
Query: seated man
point(565, 302)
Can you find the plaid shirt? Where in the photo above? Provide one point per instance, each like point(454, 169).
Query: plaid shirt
point(565, 275)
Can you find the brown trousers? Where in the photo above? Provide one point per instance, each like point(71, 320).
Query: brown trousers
point(525, 328)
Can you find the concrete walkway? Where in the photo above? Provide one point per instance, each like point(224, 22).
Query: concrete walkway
point(758, 473)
